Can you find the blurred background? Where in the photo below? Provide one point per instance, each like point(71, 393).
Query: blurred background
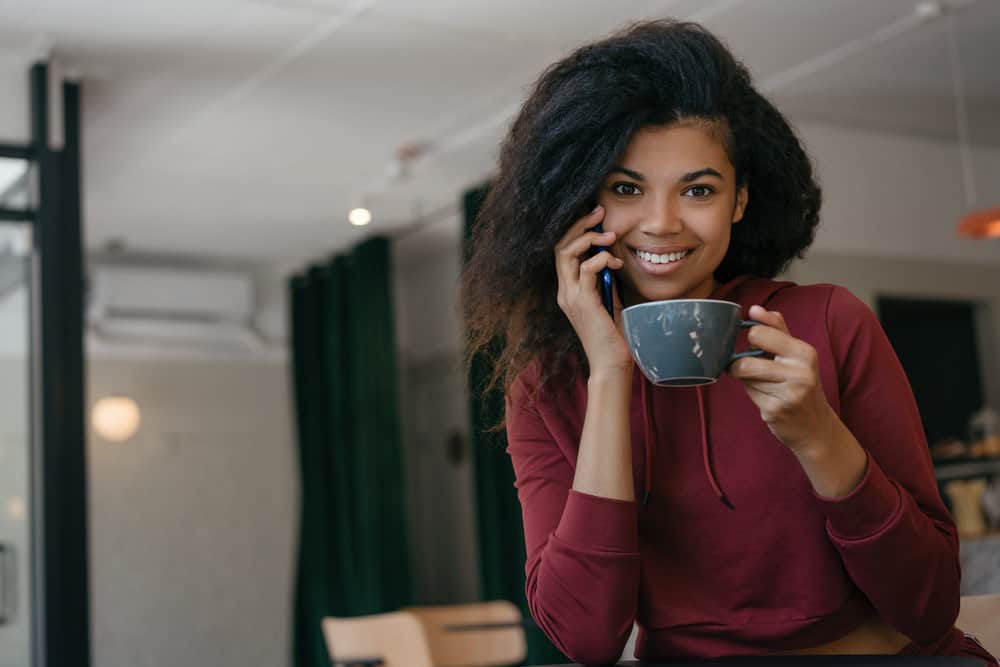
point(233, 391)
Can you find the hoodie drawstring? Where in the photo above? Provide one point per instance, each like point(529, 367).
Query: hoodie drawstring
point(647, 419)
point(706, 458)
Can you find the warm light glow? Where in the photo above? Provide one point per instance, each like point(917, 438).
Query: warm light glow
point(16, 508)
point(981, 224)
point(115, 418)
point(359, 216)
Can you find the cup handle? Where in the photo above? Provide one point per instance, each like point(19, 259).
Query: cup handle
point(746, 324)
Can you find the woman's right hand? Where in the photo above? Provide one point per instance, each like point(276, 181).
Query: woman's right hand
point(579, 298)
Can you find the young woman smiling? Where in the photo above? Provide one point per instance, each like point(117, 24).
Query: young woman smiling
point(790, 507)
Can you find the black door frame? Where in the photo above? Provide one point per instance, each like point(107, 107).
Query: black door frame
point(60, 585)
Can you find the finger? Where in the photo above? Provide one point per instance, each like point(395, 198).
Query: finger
point(604, 259)
point(780, 344)
point(568, 259)
point(768, 403)
point(771, 318)
point(584, 223)
point(579, 246)
point(756, 369)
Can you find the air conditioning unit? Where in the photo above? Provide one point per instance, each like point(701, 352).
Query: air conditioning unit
point(172, 305)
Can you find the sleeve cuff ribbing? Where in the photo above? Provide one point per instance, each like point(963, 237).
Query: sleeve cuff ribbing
point(867, 510)
point(593, 523)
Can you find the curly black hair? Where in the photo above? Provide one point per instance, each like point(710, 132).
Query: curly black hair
point(573, 128)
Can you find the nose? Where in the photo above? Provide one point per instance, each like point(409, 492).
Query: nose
point(663, 218)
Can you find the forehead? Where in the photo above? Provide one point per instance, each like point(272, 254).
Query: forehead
point(680, 146)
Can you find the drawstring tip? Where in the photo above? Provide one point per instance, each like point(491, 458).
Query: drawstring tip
point(725, 501)
point(645, 498)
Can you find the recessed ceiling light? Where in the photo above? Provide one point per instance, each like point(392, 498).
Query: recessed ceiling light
point(359, 217)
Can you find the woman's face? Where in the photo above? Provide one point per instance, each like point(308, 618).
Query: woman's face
point(671, 201)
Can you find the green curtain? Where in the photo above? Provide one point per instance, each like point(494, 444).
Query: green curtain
point(353, 549)
point(498, 512)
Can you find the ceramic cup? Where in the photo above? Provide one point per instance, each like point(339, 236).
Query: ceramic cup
point(684, 342)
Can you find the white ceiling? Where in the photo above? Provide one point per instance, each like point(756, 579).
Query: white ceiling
point(247, 128)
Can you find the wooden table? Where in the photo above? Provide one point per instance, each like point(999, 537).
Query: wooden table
point(813, 661)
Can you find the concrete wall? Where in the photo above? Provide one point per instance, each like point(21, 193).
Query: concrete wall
point(433, 405)
point(15, 435)
point(193, 523)
point(15, 113)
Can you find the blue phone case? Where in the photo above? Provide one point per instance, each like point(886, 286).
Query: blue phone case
point(605, 281)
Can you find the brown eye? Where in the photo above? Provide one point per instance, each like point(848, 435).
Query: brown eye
point(626, 189)
point(699, 191)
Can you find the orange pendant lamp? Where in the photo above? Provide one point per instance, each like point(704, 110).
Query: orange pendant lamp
point(981, 223)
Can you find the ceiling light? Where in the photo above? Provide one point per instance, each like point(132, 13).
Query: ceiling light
point(982, 223)
point(16, 508)
point(115, 418)
point(359, 217)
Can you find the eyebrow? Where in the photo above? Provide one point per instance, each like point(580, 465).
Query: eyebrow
point(686, 178)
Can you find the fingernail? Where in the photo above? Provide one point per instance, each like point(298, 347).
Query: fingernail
point(596, 208)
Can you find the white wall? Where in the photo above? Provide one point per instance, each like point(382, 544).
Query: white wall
point(890, 195)
point(441, 503)
point(193, 523)
point(15, 114)
point(15, 434)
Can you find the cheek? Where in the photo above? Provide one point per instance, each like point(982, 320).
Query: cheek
point(619, 221)
point(713, 227)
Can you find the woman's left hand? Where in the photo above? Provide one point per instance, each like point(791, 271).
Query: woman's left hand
point(787, 388)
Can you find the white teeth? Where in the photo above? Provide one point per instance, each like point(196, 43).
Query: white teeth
point(662, 259)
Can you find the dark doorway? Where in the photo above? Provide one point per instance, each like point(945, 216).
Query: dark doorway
point(936, 343)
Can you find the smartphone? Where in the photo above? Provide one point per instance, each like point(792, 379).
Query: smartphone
point(605, 281)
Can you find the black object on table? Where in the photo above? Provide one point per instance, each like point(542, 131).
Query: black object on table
point(525, 623)
point(812, 661)
point(358, 662)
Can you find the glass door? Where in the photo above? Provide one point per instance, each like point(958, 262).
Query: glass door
point(16, 450)
point(44, 593)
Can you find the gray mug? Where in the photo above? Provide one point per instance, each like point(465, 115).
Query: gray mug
point(684, 342)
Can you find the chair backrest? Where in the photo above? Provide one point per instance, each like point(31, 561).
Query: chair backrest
point(980, 615)
point(396, 638)
point(482, 634)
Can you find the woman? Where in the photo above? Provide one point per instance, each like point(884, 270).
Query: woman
point(789, 507)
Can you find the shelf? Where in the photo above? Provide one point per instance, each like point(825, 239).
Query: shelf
point(966, 467)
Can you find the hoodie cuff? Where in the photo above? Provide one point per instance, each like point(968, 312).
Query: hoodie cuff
point(593, 523)
point(865, 511)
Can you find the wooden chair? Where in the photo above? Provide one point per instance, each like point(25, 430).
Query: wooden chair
point(979, 615)
point(482, 634)
point(395, 639)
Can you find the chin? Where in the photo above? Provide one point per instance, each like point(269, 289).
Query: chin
point(664, 292)
point(642, 296)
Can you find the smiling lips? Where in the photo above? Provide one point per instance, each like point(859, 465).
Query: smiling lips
point(664, 262)
point(664, 258)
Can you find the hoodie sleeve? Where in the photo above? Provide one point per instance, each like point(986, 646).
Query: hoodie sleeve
point(582, 568)
point(896, 538)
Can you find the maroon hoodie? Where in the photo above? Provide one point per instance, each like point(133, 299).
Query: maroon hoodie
point(728, 550)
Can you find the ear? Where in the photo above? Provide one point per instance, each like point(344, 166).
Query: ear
point(742, 197)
